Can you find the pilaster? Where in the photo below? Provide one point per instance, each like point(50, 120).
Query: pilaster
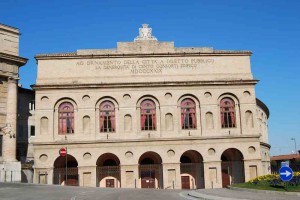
point(9, 132)
point(212, 174)
point(171, 176)
point(130, 176)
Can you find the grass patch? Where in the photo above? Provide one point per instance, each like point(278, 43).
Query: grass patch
point(268, 187)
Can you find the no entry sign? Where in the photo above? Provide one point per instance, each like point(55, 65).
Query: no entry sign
point(63, 151)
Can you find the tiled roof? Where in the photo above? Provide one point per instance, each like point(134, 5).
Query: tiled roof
point(285, 157)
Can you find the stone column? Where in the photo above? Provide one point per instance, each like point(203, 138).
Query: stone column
point(9, 137)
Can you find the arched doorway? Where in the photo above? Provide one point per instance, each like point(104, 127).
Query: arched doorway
point(63, 175)
point(108, 171)
point(232, 167)
point(150, 170)
point(191, 170)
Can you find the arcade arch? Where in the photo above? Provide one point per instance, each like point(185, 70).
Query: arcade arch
point(232, 166)
point(191, 170)
point(63, 175)
point(150, 170)
point(108, 171)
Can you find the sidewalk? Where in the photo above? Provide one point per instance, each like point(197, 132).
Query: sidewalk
point(241, 194)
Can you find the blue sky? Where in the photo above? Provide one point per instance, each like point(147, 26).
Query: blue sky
point(270, 28)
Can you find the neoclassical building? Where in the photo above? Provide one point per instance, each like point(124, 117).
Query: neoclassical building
point(148, 115)
point(10, 61)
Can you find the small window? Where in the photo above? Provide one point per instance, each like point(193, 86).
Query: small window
point(32, 131)
point(32, 105)
point(1, 141)
point(66, 118)
point(227, 108)
point(188, 114)
point(148, 115)
point(107, 117)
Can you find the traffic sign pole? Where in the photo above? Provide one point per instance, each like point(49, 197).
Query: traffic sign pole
point(66, 167)
point(286, 174)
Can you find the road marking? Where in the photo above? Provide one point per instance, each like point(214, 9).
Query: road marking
point(73, 198)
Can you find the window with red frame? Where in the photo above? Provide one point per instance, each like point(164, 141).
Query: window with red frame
point(188, 114)
point(148, 115)
point(227, 108)
point(66, 118)
point(107, 117)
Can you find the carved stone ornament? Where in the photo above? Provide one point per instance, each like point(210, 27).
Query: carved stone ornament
point(7, 130)
point(145, 33)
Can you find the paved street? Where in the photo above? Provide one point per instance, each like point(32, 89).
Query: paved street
point(11, 191)
point(51, 192)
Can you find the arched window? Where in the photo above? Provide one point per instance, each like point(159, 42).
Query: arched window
point(148, 118)
point(66, 118)
point(227, 113)
point(188, 114)
point(107, 117)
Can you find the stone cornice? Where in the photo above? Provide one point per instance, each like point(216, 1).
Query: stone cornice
point(9, 29)
point(265, 145)
point(19, 61)
point(74, 55)
point(263, 107)
point(143, 84)
point(103, 141)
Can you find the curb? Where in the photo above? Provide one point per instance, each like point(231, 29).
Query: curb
point(202, 196)
point(264, 191)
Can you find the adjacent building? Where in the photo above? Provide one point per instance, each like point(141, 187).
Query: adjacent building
point(292, 160)
point(148, 115)
point(25, 132)
point(10, 61)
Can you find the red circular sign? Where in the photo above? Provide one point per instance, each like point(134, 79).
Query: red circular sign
point(63, 151)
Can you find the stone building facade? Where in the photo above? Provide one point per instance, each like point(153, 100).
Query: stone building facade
point(10, 61)
point(26, 124)
point(25, 132)
point(149, 115)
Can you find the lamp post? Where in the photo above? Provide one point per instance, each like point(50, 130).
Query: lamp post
point(296, 152)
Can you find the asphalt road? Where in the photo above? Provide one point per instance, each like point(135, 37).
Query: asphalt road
point(16, 191)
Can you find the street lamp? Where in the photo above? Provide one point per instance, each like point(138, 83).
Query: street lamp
point(295, 145)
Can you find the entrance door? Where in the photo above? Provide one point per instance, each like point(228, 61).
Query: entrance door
point(110, 183)
point(185, 182)
point(225, 178)
point(72, 180)
point(148, 182)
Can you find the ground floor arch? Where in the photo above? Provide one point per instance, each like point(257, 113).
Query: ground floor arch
point(191, 170)
point(152, 164)
point(65, 171)
point(108, 171)
point(232, 166)
point(150, 170)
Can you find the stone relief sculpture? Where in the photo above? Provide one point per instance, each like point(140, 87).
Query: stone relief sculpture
point(7, 130)
point(145, 33)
